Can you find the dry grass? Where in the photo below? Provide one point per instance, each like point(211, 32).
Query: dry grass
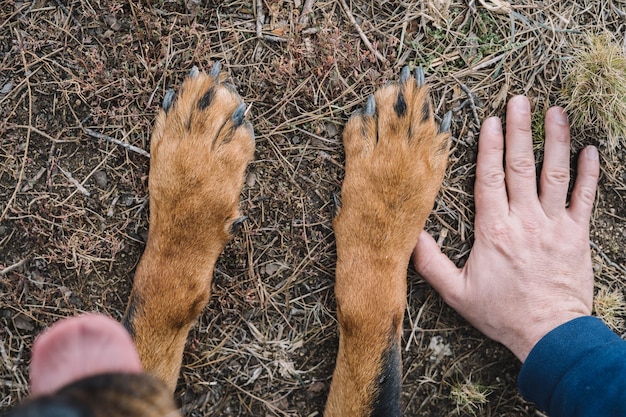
point(610, 306)
point(73, 208)
point(469, 397)
point(595, 88)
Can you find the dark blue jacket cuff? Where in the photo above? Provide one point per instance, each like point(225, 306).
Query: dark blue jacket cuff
point(578, 369)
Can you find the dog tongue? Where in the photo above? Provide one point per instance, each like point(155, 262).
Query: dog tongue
point(80, 347)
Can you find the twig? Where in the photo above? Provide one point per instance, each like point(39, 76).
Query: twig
point(116, 141)
point(39, 132)
point(606, 258)
point(313, 135)
point(77, 184)
point(274, 38)
point(30, 124)
point(13, 267)
point(361, 33)
point(497, 6)
point(306, 11)
point(67, 12)
point(470, 97)
point(260, 18)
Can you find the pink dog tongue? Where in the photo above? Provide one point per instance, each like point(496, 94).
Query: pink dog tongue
point(80, 347)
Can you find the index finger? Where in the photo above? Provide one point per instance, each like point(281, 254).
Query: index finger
point(490, 188)
point(521, 177)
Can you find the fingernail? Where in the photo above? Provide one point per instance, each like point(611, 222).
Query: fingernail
point(493, 124)
point(591, 152)
point(561, 117)
point(520, 104)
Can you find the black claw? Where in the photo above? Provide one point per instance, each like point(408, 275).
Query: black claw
point(194, 72)
point(446, 122)
point(169, 98)
point(234, 228)
point(405, 74)
point(215, 70)
point(238, 115)
point(370, 106)
point(336, 204)
point(420, 79)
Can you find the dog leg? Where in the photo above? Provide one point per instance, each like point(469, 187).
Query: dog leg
point(395, 163)
point(200, 148)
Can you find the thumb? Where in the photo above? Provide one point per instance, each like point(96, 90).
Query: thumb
point(435, 267)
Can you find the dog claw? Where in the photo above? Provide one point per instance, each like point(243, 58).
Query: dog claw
point(420, 79)
point(237, 224)
point(194, 72)
point(446, 122)
point(370, 106)
point(336, 203)
point(168, 100)
point(239, 114)
point(215, 70)
point(239, 220)
point(405, 74)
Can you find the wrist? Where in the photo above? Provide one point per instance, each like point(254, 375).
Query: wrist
point(522, 345)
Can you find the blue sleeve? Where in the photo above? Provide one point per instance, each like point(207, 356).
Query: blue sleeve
point(577, 370)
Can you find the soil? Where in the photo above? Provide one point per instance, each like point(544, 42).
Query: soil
point(73, 206)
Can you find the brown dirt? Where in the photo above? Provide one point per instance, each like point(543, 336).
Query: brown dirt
point(266, 343)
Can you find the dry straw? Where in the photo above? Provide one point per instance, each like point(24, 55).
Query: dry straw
point(595, 89)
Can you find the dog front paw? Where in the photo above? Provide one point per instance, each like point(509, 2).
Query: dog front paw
point(396, 158)
point(201, 145)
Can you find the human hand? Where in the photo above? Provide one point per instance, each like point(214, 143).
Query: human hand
point(529, 270)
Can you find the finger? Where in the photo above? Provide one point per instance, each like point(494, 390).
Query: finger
point(436, 268)
point(520, 161)
point(80, 347)
point(490, 188)
point(555, 172)
point(584, 193)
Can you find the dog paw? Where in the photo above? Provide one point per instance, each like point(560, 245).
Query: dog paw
point(396, 158)
point(200, 147)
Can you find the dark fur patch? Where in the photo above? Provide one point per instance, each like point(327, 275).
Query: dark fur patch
point(400, 106)
point(49, 407)
point(389, 384)
point(387, 403)
point(206, 99)
point(426, 111)
point(131, 311)
point(110, 395)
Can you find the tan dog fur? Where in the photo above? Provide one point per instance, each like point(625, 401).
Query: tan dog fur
point(394, 168)
point(197, 171)
point(395, 162)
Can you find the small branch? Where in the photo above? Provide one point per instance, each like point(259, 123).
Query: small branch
point(128, 146)
point(67, 12)
point(470, 97)
point(497, 6)
point(606, 258)
point(306, 11)
point(76, 184)
point(13, 267)
point(260, 19)
point(361, 33)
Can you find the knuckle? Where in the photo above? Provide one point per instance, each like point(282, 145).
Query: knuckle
point(524, 167)
point(495, 231)
point(556, 176)
point(492, 178)
point(531, 227)
point(585, 195)
point(523, 129)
